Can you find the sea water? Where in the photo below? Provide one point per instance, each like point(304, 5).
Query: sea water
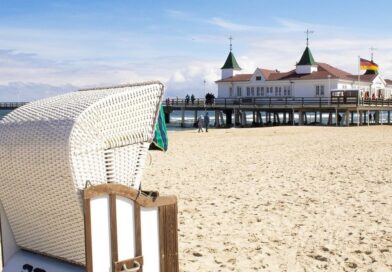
point(4, 113)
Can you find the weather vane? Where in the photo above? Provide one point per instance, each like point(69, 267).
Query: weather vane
point(231, 46)
point(307, 36)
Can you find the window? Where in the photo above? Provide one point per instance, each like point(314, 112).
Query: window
point(258, 78)
point(247, 91)
point(262, 91)
point(239, 91)
point(231, 91)
point(258, 91)
point(288, 92)
point(276, 91)
point(319, 90)
point(252, 91)
point(322, 90)
point(280, 91)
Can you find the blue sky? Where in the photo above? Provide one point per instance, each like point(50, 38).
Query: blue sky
point(52, 47)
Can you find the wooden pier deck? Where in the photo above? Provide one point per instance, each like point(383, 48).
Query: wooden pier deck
point(365, 110)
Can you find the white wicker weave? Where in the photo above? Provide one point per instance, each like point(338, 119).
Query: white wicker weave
point(50, 148)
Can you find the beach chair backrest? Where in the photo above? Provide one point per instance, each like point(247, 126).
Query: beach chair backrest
point(50, 149)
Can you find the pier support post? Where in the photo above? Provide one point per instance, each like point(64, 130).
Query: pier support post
point(195, 117)
point(306, 118)
point(360, 117)
point(258, 118)
point(377, 117)
point(347, 118)
point(284, 118)
point(243, 118)
point(389, 117)
point(329, 123)
point(167, 117)
point(229, 118)
point(217, 123)
point(222, 121)
point(352, 117)
point(336, 117)
point(301, 118)
point(236, 117)
point(276, 118)
point(321, 117)
point(182, 117)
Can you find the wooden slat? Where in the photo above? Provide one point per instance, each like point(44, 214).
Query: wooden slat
point(1, 244)
point(113, 229)
point(171, 240)
point(162, 238)
point(124, 191)
point(168, 238)
point(87, 236)
point(129, 263)
point(138, 231)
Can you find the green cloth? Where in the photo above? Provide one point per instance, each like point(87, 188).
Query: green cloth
point(160, 138)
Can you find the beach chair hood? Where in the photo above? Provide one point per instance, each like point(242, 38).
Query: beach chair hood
point(50, 149)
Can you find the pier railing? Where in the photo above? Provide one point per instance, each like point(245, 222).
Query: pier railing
point(278, 101)
point(11, 105)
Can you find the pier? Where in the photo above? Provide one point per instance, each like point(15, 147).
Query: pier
point(268, 111)
point(275, 111)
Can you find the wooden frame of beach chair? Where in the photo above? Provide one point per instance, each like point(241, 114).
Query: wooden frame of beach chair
point(124, 228)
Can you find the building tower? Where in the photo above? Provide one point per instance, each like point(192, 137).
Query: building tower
point(230, 65)
point(306, 64)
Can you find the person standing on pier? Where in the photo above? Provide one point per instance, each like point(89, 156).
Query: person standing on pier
point(200, 123)
point(193, 99)
point(206, 121)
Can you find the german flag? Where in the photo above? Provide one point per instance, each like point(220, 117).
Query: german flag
point(367, 65)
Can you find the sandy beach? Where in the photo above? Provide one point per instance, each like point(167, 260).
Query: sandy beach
point(280, 198)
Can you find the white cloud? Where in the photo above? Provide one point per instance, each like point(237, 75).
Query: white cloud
point(232, 26)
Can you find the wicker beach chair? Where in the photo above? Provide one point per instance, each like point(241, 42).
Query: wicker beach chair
point(51, 149)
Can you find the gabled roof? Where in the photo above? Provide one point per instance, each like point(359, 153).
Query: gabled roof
point(231, 63)
point(307, 58)
point(236, 78)
point(266, 73)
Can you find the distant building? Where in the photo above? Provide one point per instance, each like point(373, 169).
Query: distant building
point(308, 79)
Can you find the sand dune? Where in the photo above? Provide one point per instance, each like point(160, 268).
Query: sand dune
point(280, 198)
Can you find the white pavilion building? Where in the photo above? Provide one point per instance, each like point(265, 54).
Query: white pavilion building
point(308, 79)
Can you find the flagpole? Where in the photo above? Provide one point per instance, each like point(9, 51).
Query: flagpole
point(359, 80)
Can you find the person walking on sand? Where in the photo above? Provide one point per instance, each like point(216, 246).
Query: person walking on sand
point(200, 123)
point(206, 121)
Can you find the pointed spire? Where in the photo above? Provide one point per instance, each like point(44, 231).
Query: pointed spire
point(307, 58)
point(231, 62)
